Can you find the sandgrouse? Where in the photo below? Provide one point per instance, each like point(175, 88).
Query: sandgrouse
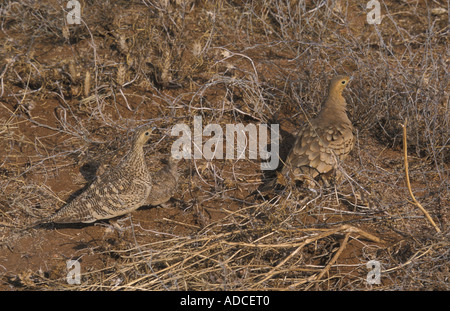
point(118, 191)
point(164, 183)
point(324, 141)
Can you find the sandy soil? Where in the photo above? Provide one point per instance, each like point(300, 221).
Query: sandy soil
point(71, 94)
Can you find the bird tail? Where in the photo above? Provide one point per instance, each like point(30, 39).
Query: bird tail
point(25, 227)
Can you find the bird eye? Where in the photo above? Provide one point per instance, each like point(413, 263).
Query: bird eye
point(147, 133)
point(343, 82)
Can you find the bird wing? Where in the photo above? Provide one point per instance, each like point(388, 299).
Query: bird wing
point(339, 139)
point(316, 148)
point(110, 195)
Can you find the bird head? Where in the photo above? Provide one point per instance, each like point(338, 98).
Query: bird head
point(143, 135)
point(338, 84)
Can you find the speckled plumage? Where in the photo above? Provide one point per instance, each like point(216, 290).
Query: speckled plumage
point(321, 143)
point(118, 191)
point(325, 140)
point(164, 183)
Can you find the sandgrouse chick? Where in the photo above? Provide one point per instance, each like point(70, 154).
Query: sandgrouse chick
point(324, 141)
point(118, 191)
point(164, 183)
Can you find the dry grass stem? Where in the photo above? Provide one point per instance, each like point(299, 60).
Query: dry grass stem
point(408, 183)
point(71, 95)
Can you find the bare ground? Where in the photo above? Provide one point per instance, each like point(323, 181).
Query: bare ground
point(71, 94)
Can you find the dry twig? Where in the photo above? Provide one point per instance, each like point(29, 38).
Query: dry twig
point(405, 153)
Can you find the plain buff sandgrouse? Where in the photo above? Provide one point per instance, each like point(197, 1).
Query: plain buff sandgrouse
point(164, 183)
point(118, 191)
point(323, 141)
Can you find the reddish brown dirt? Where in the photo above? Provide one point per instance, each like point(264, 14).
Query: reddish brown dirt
point(43, 163)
